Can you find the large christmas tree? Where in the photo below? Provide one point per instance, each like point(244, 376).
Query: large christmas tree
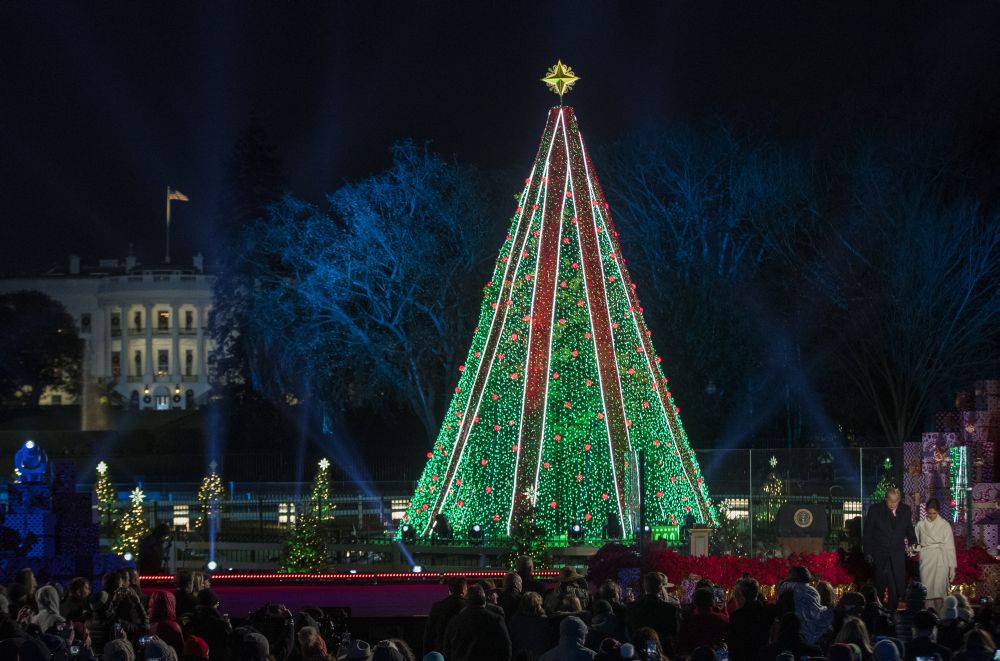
point(561, 386)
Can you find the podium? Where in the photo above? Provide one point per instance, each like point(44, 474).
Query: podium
point(699, 536)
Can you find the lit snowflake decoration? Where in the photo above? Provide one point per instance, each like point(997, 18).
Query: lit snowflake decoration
point(531, 493)
point(137, 496)
point(774, 461)
point(324, 463)
point(102, 468)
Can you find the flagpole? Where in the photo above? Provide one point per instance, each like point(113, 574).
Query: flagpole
point(168, 225)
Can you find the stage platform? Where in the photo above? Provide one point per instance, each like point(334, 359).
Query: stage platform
point(367, 594)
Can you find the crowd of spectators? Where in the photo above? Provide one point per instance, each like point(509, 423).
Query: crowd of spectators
point(806, 622)
point(520, 619)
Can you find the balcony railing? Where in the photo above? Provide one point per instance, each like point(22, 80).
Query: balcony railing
point(189, 378)
point(135, 378)
point(136, 331)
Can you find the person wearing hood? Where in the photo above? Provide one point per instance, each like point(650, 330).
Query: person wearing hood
point(48, 615)
point(509, 597)
point(158, 650)
point(195, 648)
point(118, 650)
point(253, 647)
point(210, 624)
point(476, 634)
point(163, 619)
point(572, 636)
point(797, 595)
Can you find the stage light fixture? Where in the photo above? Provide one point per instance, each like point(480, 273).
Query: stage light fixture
point(476, 533)
point(211, 565)
point(417, 569)
point(128, 557)
point(408, 534)
point(575, 532)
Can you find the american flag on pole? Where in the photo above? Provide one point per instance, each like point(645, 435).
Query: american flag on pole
point(177, 195)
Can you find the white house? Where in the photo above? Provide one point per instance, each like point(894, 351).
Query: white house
point(145, 328)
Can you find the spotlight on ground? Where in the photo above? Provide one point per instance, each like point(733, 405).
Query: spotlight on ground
point(408, 533)
point(575, 532)
point(128, 557)
point(417, 569)
point(476, 534)
point(211, 565)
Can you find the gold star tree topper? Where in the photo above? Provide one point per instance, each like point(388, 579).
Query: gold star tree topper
point(560, 79)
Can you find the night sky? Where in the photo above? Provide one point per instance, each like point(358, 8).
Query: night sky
point(103, 104)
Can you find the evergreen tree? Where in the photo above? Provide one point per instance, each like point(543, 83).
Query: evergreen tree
point(561, 385)
point(105, 495)
point(210, 492)
point(306, 549)
point(886, 481)
point(133, 526)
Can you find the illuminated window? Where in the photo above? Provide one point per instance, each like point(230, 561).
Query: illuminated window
point(737, 508)
point(163, 320)
point(852, 508)
point(286, 513)
point(182, 517)
point(162, 361)
point(399, 507)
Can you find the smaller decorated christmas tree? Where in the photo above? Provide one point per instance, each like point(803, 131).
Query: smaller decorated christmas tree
point(886, 481)
point(306, 548)
point(133, 525)
point(105, 496)
point(210, 492)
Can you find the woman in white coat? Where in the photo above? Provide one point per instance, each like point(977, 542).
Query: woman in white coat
point(937, 554)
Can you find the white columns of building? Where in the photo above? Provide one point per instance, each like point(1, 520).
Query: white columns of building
point(148, 374)
point(175, 343)
point(201, 364)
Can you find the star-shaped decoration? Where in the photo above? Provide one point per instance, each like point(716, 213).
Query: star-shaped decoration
point(137, 496)
point(560, 79)
point(102, 468)
point(774, 461)
point(324, 463)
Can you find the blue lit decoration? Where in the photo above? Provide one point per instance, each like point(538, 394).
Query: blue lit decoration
point(49, 526)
